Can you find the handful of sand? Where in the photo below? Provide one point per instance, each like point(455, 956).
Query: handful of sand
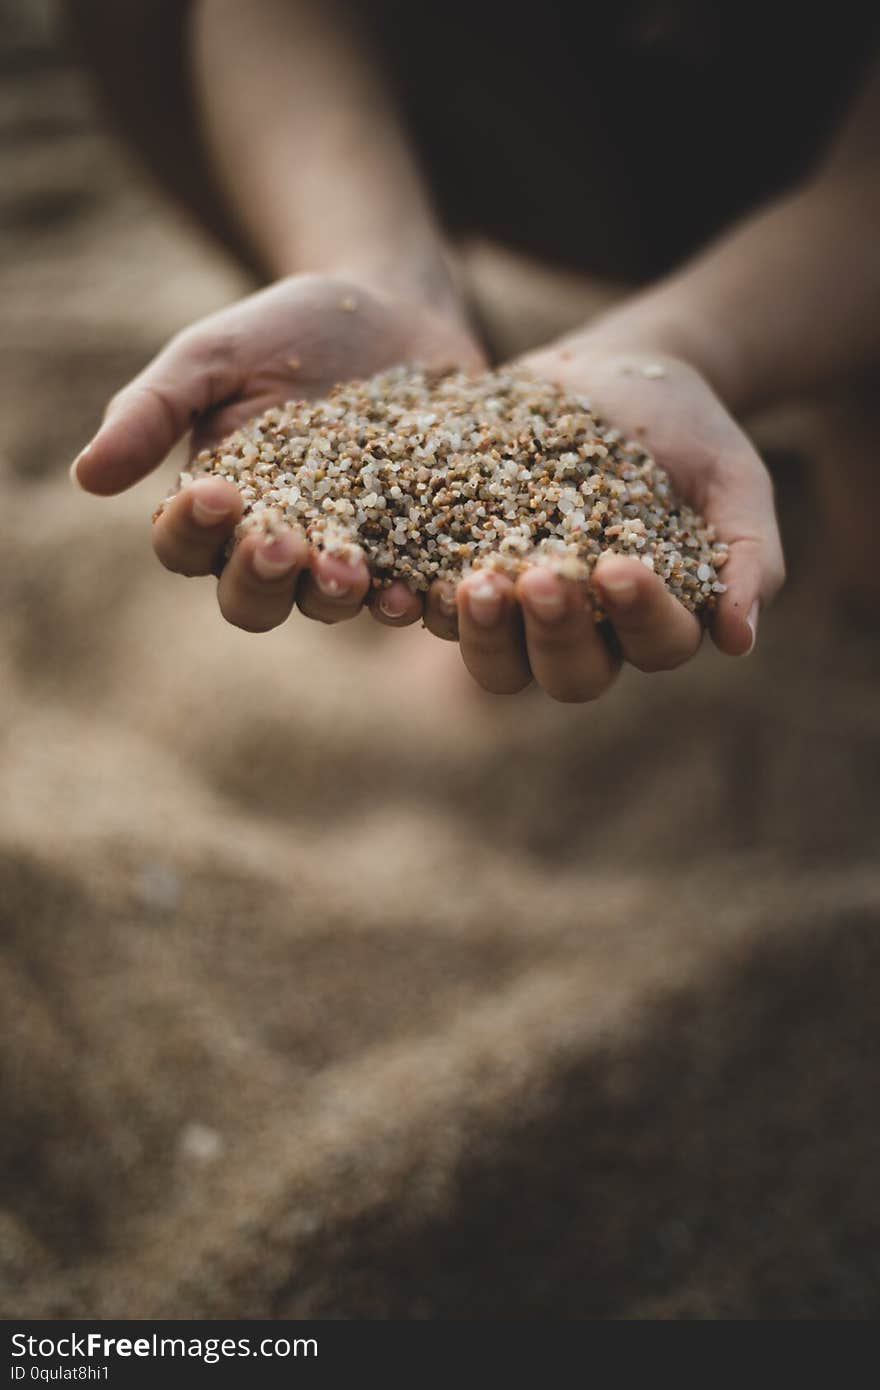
point(435, 475)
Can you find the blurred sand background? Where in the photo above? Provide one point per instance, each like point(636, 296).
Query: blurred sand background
point(330, 987)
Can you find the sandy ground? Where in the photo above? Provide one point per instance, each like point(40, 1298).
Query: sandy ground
point(332, 988)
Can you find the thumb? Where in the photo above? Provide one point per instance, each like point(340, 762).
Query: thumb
point(147, 417)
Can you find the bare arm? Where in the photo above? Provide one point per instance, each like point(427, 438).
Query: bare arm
point(788, 301)
point(307, 145)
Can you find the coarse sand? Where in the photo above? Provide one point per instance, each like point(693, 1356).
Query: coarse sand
point(434, 475)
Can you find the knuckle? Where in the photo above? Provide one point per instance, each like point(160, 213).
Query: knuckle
point(116, 400)
point(209, 343)
point(187, 343)
point(491, 646)
point(259, 590)
point(201, 341)
point(636, 635)
point(554, 641)
point(221, 348)
point(158, 395)
point(210, 353)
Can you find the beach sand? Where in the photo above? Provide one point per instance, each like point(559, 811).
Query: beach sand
point(331, 987)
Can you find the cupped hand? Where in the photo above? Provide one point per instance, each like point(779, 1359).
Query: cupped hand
point(542, 627)
point(298, 338)
point(302, 336)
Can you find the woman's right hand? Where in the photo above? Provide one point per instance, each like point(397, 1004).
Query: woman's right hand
point(298, 338)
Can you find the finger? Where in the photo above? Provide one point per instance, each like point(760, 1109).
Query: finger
point(753, 574)
point(491, 633)
point(147, 417)
point(335, 587)
point(191, 532)
point(258, 584)
point(740, 503)
point(655, 631)
point(396, 606)
point(566, 652)
point(441, 611)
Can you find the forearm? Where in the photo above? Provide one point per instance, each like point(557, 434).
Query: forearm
point(307, 146)
point(788, 302)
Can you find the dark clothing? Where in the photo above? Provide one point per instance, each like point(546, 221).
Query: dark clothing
point(616, 138)
point(619, 137)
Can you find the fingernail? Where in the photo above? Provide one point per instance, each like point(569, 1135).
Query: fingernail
point(484, 604)
point(541, 594)
point(619, 588)
point(275, 556)
point(752, 623)
point(392, 607)
point(204, 514)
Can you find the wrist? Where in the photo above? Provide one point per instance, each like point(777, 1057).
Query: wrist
point(425, 278)
point(664, 323)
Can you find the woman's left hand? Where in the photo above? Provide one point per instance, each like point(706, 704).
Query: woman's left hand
point(542, 626)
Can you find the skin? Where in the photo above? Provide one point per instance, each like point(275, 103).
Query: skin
point(237, 363)
point(298, 337)
point(734, 329)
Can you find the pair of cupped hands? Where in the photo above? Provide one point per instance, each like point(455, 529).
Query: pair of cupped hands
point(304, 334)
